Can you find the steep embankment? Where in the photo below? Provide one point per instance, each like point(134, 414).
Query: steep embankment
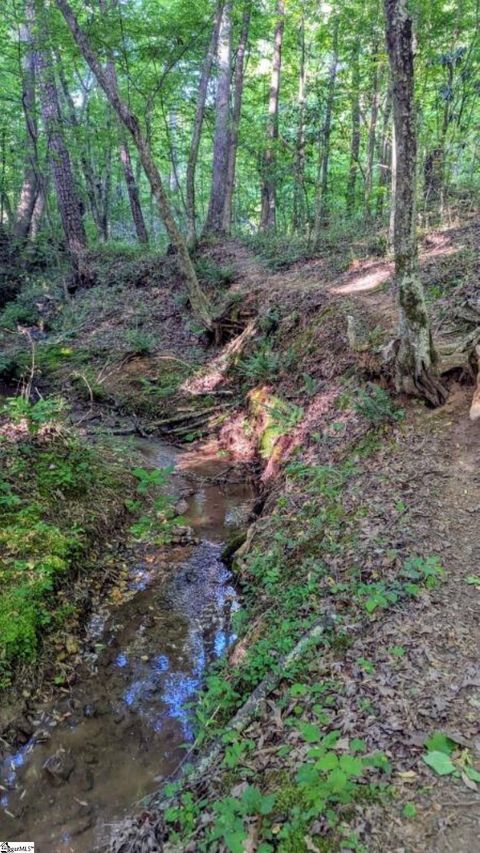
point(367, 738)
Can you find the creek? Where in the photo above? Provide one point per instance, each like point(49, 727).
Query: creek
point(112, 737)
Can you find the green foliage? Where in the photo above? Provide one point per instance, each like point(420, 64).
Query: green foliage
point(55, 493)
point(157, 519)
point(376, 405)
point(140, 342)
point(210, 273)
point(36, 415)
point(262, 365)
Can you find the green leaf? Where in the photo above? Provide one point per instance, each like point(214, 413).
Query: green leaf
point(440, 763)
point(472, 774)
point(357, 745)
point(255, 802)
point(474, 580)
point(350, 765)
point(311, 733)
point(327, 762)
point(235, 841)
point(440, 742)
point(409, 810)
point(337, 780)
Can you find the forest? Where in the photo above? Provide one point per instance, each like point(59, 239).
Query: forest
point(239, 446)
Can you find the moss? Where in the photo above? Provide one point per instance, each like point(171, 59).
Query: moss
point(58, 497)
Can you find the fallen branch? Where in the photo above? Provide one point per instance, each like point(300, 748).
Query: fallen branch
point(248, 711)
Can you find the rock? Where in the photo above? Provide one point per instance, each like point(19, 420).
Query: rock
point(59, 766)
point(181, 507)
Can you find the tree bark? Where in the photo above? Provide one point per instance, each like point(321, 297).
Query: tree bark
point(198, 300)
point(215, 217)
point(236, 113)
point(30, 185)
point(198, 124)
point(321, 205)
point(355, 141)
point(384, 157)
point(377, 74)
point(415, 358)
point(268, 214)
point(91, 180)
point(299, 188)
point(125, 158)
point(132, 189)
point(67, 198)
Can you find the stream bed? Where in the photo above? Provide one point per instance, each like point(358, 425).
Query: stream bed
point(118, 731)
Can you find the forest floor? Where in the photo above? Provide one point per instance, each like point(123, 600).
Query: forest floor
point(365, 522)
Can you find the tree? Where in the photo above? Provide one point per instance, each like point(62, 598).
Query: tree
point(198, 300)
point(321, 205)
point(355, 143)
point(236, 113)
point(415, 358)
point(215, 217)
point(31, 180)
point(67, 197)
point(269, 186)
point(198, 124)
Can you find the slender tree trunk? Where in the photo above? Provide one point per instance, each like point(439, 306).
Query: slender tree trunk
point(355, 141)
point(198, 299)
point(30, 185)
point(125, 158)
point(37, 215)
point(415, 357)
point(132, 189)
point(67, 198)
point(236, 113)
point(299, 187)
point(198, 124)
point(393, 187)
point(91, 180)
point(269, 187)
point(321, 206)
point(384, 157)
point(214, 222)
point(372, 131)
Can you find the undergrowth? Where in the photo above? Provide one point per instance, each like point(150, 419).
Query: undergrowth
point(289, 585)
point(57, 496)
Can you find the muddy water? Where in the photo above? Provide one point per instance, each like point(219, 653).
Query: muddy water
point(118, 731)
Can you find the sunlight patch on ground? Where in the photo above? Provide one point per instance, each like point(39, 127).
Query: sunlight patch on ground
point(368, 277)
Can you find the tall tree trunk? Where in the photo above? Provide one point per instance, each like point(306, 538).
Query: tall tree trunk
point(125, 158)
point(321, 205)
point(198, 300)
point(415, 358)
point(384, 157)
point(236, 113)
point(67, 198)
point(355, 140)
point(198, 124)
point(30, 185)
point(269, 186)
point(91, 180)
point(299, 187)
point(372, 130)
point(132, 189)
point(393, 187)
point(37, 214)
point(214, 222)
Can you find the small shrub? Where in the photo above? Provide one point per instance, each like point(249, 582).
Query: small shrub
point(140, 342)
point(376, 405)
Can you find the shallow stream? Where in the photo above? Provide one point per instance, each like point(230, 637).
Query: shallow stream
point(111, 738)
